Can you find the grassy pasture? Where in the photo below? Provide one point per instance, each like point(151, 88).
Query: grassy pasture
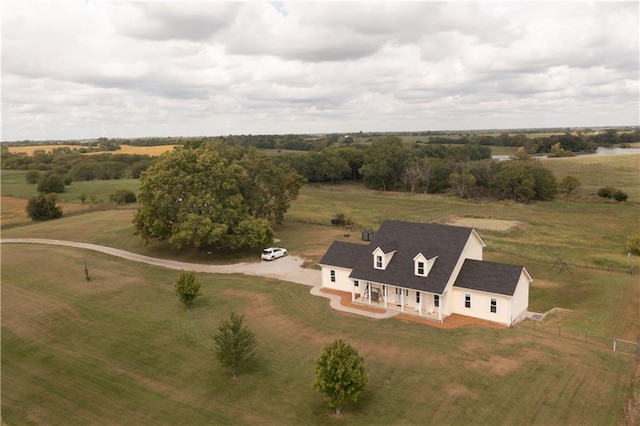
point(618, 171)
point(121, 349)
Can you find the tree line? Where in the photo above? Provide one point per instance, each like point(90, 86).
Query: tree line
point(71, 164)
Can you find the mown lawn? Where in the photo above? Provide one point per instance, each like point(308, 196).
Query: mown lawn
point(120, 349)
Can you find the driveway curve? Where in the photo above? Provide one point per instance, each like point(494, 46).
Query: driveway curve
point(287, 268)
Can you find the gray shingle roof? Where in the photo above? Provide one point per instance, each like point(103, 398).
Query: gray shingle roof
point(343, 254)
point(491, 277)
point(445, 242)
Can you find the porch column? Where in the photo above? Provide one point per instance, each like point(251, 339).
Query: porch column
point(353, 292)
point(442, 303)
point(369, 292)
point(420, 303)
point(385, 294)
point(401, 299)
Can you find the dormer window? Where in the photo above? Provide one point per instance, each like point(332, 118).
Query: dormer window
point(422, 265)
point(381, 258)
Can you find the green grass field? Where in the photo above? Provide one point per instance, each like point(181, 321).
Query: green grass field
point(120, 349)
point(14, 185)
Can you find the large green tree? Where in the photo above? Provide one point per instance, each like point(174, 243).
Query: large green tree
point(340, 374)
point(386, 160)
point(235, 343)
point(213, 196)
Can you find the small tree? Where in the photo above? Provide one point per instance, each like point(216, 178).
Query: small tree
point(234, 344)
point(187, 288)
point(32, 176)
point(51, 183)
point(43, 207)
point(340, 374)
point(633, 244)
point(569, 184)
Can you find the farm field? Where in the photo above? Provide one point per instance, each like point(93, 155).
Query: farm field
point(124, 149)
point(120, 349)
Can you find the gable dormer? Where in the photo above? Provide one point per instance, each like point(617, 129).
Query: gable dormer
point(382, 255)
point(422, 265)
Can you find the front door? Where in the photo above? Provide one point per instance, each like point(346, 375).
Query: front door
point(398, 296)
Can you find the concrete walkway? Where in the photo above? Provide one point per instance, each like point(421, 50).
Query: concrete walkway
point(288, 268)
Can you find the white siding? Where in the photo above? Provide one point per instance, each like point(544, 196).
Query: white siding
point(520, 300)
point(481, 305)
point(472, 250)
point(342, 282)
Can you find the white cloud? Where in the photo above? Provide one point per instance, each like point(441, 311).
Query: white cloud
point(75, 69)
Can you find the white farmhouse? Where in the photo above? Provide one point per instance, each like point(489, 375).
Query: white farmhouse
point(428, 270)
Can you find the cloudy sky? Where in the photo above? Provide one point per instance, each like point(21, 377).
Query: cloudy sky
point(86, 69)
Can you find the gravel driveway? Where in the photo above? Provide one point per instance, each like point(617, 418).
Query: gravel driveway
point(287, 268)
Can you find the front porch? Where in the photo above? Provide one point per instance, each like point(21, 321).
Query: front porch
point(400, 300)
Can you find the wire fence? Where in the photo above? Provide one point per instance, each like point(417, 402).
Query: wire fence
point(563, 265)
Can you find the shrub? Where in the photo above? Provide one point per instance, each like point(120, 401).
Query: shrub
point(51, 183)
point(341, 220)
point(32, 176)
point(620, 195)
point(43, 207)
point(606, 192)
point(122, 196)
point(633, 244)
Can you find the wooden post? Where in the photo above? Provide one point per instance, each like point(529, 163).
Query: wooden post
point(87, 277)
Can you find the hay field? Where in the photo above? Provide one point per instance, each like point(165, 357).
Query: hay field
point(153, 151)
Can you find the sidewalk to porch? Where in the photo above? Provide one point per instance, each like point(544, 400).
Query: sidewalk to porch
point(341, 301)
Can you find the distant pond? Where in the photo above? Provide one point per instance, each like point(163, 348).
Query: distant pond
point(600, 152)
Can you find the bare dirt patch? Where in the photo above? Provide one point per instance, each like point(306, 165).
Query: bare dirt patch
point(486, 224)
point(452, 321)
point(544, 284)
point(456, 390)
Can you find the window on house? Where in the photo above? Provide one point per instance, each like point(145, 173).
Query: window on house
point(417, 297)
point(494, 306)
point(467, 300)
point(436, 300)
point(420, 268)
point(356, 283)
point(333, 276)
point(379, 262)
